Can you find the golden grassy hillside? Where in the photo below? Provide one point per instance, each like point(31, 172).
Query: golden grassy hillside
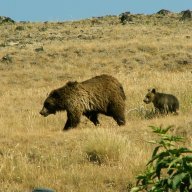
point(35, 58)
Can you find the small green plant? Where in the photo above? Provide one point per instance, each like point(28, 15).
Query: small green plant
point(170, 168)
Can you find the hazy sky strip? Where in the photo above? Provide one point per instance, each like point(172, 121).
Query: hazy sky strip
point(62, 10)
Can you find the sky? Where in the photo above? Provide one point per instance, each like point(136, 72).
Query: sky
point(65, 10)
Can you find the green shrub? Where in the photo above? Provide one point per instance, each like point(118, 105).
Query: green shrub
point(169, 169)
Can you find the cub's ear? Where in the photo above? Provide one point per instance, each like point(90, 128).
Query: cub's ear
point(153, 90)
point(55, 94)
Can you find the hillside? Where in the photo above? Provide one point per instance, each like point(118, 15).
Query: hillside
point(143, 52)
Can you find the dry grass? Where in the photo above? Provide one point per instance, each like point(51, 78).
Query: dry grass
point(34, 152)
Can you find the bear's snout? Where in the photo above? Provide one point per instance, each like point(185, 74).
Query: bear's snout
point(44, 112)
point(145, 100)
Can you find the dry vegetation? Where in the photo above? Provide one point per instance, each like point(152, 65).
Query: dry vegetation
point(151, 51)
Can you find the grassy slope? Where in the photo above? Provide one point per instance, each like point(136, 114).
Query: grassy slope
point(152, 51)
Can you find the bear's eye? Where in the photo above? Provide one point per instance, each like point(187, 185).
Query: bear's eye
point(47, 105)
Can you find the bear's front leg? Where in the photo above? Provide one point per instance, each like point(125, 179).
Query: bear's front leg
point(73, 120)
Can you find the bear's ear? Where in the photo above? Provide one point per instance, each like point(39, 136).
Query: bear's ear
point(55, 94)
point(152, 90)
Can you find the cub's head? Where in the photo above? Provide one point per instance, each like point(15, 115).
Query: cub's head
point(51, 104)
point(150, 96)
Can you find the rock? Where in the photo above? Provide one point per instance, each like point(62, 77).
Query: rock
point(186, 15)
point(6, 20)
point(39, 49)
point(43, 190)
point(164, 12)
point(6, 59)
point(125, 17)
point(19, 28)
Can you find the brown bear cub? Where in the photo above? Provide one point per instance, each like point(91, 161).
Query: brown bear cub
point(163, 103)
point(99, 95)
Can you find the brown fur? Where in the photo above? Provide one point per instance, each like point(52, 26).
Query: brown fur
point(101, 94)
point(163, 103)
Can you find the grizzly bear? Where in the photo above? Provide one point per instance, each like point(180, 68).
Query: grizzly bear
point(163, 103)
point(99, 95)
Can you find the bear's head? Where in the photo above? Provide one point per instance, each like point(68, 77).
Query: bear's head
point(150, 96)
point(51, 104)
